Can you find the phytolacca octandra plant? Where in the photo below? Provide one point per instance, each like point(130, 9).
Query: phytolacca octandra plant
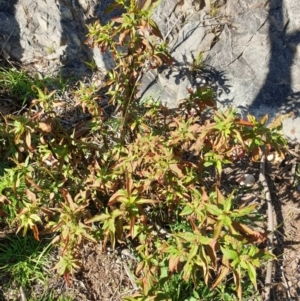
point(136, 44)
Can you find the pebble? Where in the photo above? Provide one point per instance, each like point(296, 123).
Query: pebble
point(247, 180)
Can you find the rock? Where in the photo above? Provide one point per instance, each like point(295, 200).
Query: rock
point(192, 39)
point(247, 180)
point(50, 35)
point(258, 52)
point(251, 51)
point(164, 17)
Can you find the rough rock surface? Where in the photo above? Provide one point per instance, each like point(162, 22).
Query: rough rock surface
point(49, 35)
point(259, 53)
point(250, 48)
point(251, 52)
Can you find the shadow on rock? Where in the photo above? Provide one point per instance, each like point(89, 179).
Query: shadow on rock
point(217, 80)
point(10, 31)
point(170, 84)
point(77, 53)
point(73, 23)
point(276, 91)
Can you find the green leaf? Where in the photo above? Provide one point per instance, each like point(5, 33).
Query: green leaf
point(164, 273)
point(227, 205)
point(219, 167)
point(205, 240)
point(187, 236)
point(35, 217)
point(230, 254)
point(253, 250)
point(252, 274)
point(226, 221)
point(187, 210)
point(98, 218)
point(208, 163)
point(213, 209)
point(243, 264)
point(243, 211)
point(196, 295)
point(187, 270)
point(193, 252)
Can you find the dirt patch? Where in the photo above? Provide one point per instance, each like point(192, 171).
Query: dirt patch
point(104, 276)
point(286, 200)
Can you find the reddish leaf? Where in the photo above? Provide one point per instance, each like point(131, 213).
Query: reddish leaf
point(245, 122)
point(175, 168)
point(4, 200)
point(114, 198)
point(67, 279)
point(256, 153)
point(28, 141)
point(68, 199)
point(237, 281)
point(212, 252)
point(173, 263)
point(250, 234)
point(220, 197)
point(30, 195)
point(35, 232)
point(122, 36)
point(139, 267)
point(223, 272)
point(155, 30)
point(146, 4)
point(44, 127)
point(118, 19)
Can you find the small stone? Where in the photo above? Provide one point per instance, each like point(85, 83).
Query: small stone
point(274, 158)
point(247, 180)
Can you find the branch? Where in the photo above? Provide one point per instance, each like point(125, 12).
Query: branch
point(263, 180)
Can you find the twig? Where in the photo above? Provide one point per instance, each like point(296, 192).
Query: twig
point(127, 270)
point(293, 170)
point(22, 293)
point(120, 283)
point(2, 50)
point(287, 288)
point(263, 180)
point(173, 26)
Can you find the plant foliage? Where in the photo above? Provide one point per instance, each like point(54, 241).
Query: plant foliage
point(147, 171)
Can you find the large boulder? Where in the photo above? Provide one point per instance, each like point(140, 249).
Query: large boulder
point(251, 52)
point(259, 52)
